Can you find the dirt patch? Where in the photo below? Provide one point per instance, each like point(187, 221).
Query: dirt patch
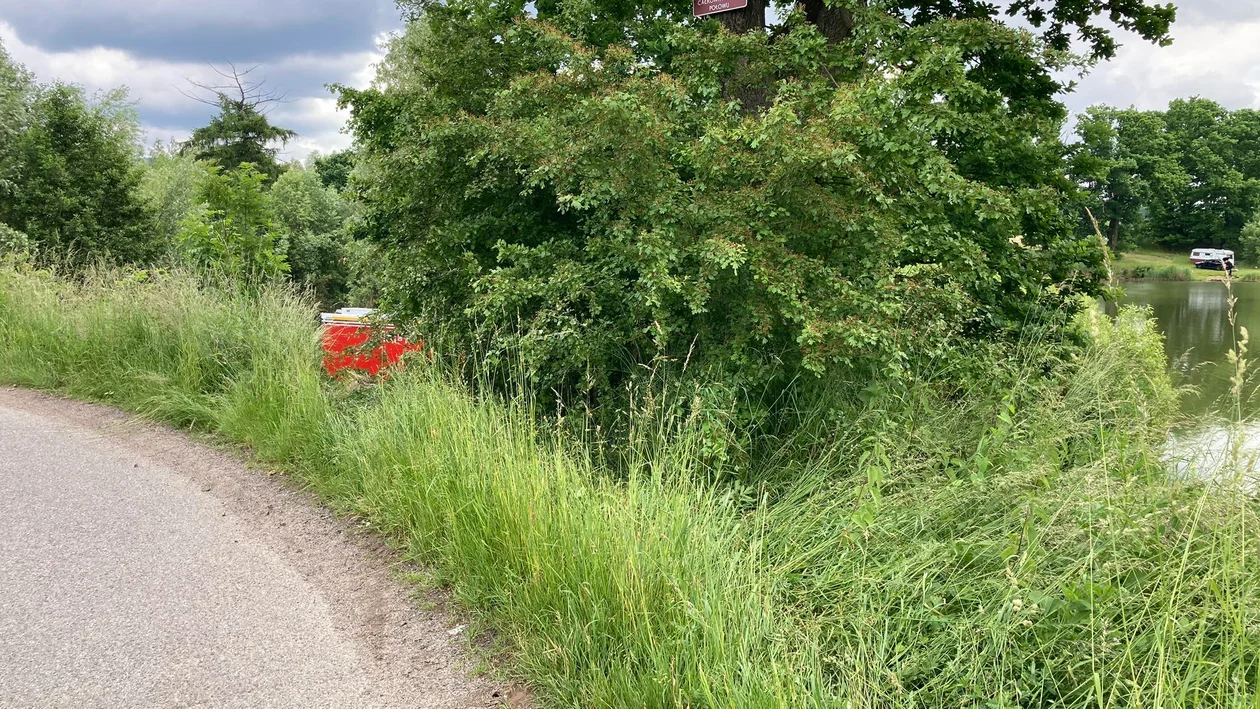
point(408, 642)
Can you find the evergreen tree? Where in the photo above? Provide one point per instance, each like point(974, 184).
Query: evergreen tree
point(241, 131)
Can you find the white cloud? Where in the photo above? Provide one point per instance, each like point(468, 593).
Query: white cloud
point(164, 134)
point(153, 83)
point(316, 112)
point(165, 14)
point(156, 86)
point(1220, 61)
point(322, 126)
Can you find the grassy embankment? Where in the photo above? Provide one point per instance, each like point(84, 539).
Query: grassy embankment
point(1008, 543)
point(1150, 265)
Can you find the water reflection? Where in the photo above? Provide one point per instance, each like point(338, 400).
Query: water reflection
point(1208, 452)
point(1194, 318)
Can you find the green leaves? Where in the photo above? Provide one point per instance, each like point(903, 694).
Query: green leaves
point(68, 176)
point(1058, 21)
point(1183, 177)
point(313, 222)
point(170, 184)
point(1249, 240)
point(593, 208)
point(234, 232)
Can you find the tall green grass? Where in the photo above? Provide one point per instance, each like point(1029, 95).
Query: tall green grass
point(1145, 272)
point(1008, 542)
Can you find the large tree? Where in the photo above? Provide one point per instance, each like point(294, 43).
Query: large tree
point(1084, 27)
point(607, 184)
point(1210, 199)
point(241, 132)
point(312, 218)
point(16, 90)
point(1114, 169)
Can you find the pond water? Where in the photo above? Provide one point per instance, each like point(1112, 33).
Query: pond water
point(1194, 317)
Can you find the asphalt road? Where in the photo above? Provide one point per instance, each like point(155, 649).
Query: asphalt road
point(126, 583)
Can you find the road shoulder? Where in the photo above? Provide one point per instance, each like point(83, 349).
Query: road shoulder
point(409, 646)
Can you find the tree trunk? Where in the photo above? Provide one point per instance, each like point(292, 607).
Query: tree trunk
point(753, 95)
point(1113, 233)
point(745, 20)
point(835, 23)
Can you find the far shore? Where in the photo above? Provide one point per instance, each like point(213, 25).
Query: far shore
point(1150, 265)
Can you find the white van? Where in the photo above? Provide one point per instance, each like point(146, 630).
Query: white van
point(1216, 259)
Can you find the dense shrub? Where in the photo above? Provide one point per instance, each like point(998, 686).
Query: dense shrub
point(1148, 272)
point(13, 241)
point(71, 179)
point(589, 208)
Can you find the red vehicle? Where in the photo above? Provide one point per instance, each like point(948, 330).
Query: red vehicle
point(354, 341)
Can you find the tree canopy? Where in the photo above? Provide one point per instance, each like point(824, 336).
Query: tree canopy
point(312, 220)
point(1060, 23)
point(1186, 176)
point(69, 174)
point(241, 132)
point(608, 184)
point(334, 169)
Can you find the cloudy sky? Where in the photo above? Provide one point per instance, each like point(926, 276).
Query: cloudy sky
point(153, 46)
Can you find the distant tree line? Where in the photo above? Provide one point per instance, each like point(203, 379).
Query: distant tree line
point(77, 189)
point(1184, 177)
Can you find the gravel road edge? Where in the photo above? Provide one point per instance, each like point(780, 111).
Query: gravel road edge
point(408, 641)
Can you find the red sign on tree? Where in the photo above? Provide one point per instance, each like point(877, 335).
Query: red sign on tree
point(700, 8)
